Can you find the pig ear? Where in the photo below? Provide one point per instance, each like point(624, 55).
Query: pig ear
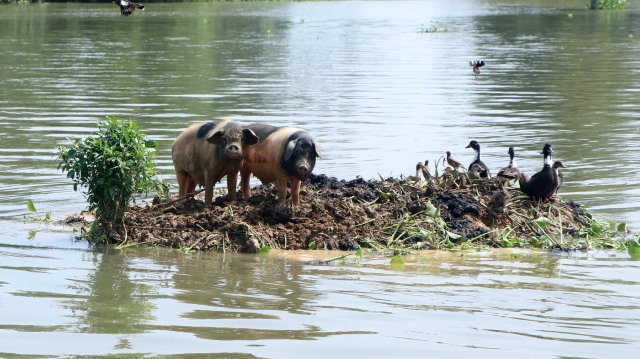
point(216, 137)
point(250, 137)
point(316, 148)
point(290, 146)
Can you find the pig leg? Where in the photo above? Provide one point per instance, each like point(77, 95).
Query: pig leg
point(295, 191)
point(183, 179)
point(190, 185)
point(209, 181)
point(245, 177)
point(281, 186)
point(232, 182)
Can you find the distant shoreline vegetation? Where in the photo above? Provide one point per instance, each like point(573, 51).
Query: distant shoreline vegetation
point(591, 4)
point(608, 4)
point(141, 1)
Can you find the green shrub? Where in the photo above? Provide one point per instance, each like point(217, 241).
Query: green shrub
point(609, 4)
point(112, 167)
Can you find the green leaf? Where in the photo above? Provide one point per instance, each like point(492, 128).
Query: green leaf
point(150, 143)
point(622, 227)
point(596, 230)
point(453, 236)
point(30, 206)
point(634, 249)
point(432, 210)
point(542, 222)
point(312, 245)
point(397, 263)
point(265, 249)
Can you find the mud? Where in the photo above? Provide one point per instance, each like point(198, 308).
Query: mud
point(346, 215)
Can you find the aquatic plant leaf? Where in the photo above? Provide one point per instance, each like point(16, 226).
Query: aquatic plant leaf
point(634, 249)
point(596, 230)
point(397, 263)
point(265, 249)
point(431, 210)
point(622, 227)
point(543, 222)
point(30, 206)
point(453, 236)
point(312, 245)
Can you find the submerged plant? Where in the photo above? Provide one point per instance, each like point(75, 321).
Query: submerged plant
point(432, 28)
point(112, 167)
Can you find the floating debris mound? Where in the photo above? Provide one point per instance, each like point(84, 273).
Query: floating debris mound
point(403, 213)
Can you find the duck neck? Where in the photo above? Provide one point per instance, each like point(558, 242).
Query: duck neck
point(512, 161)
point(477, 159)
point(547, 160)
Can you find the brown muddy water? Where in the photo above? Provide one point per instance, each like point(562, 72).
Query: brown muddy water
point(381, 85)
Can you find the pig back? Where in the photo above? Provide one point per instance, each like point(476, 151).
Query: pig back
point(264, 158)
point(191, 153)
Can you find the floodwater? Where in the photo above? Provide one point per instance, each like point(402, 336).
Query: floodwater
point(382, 85)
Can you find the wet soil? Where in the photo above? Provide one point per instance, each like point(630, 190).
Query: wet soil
point(346, 215)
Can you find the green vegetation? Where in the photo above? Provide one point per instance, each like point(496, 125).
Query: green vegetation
point(32, 208)
point(113, 167)
point(608, 4)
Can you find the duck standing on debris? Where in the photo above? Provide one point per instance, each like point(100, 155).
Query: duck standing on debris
point(498, 201)
point(453, 162)
point(419, 166)
point(423, 168)
point(542, 184)
point(475, 66)
point(426, 173)
point(127, 7)
point(484, 170)
point(511, 171)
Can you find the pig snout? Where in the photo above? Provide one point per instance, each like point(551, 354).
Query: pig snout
point(233, 151)
point(303, 170)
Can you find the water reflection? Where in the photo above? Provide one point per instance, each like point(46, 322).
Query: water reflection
point(113, 300)
point(89, 303)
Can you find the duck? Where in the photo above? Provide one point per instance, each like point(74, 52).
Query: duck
point(475, 171)
point(475, 66)
point(426, 173)
point(419, 166)
point(558, 175)
point(127, 7)
point(498, 201)
point(453, 162)
point(511, 171)
point(542, 184)
point(484, 171)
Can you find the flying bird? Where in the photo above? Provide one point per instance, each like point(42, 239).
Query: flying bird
point(476, 65)
point(127, 7)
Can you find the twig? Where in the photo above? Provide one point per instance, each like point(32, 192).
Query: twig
point(188, 195)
